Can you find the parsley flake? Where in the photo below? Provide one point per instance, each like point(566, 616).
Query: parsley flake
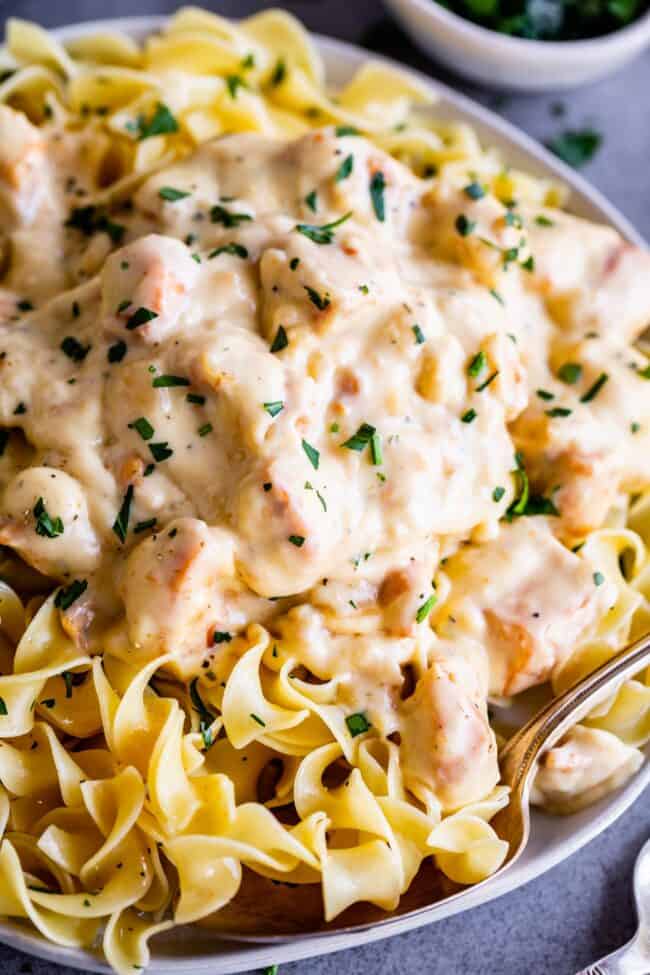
point(323, 234)
point(46, 526)
point(377, 187)
point(345, 169)
point(280, 341)
point(140, 317)
point(66, 596)
point(593, 390)
point(273, 408)
point(313, 455)
point(171, 195)
point(121, 523)
point(357, 724)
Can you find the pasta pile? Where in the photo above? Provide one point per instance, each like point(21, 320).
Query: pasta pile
point(132, 799)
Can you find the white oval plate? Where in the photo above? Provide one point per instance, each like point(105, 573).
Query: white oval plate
point(197, 951)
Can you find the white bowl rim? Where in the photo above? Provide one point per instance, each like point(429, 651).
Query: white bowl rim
point(235, 957)
point(588, 46)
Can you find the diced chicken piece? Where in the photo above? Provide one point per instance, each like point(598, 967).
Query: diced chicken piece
point(24, 177)
point(527, 598)
point(592, 279)
point(44, 517)
point(585, 766)
point(179, 586)
point(146, 288)
point(447, 745)
point(402, 593)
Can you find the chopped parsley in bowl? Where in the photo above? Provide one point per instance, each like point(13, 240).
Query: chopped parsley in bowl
point(550, 20)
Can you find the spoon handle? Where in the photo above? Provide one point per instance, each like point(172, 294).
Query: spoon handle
point(518, 757)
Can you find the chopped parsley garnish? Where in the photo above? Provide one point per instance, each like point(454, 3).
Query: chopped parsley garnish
point(294, 262)
point(248, 62)
point(279, 73)
point(259, 721)
point(360, 440)
point(312, 201)
point(323, 234)
point(313, 455)
point(280, 341)
point(149, 469)
point(89, 220)
point(513, 220)
point(576, 147)
point(544, 394)
point(599, 578)
point(143, 427)
point(644, 373)
point(529, 264)
point(234, 82)
point(123, 305)
point(74, 349)
point(498, 493)
point(558, 411)
point(4, 440)
point(69, 594)
point(121, 523)
point(468, 416)
point(345, 169)
point(425, 608)
point(273, 408)
point(420, 337)
point(143, 526)
point(474, 191)
point(377, 187)
point(357, 724)
point(206, 717)
point(297, 540)
point(321, 301)
point(195, 398)
point(24, 305)
point(162, 122)
point(375, 450)
point(76, 310)
point(204, 430)
point(486, 383)
point(20, 409)
point(161, 381)
point(3, 707)
point(635, 427)
point(497, 296)
point(67, 680)
point(237, 250)
point(477, 364)
point(342, 130)
point(267, 486)
point(117, 351)
point(140, 317)
point(219, 214)
point(49, 703)
point(221, 636)
point(570, 372)
point(171, 195)
point(543, 221)
point(46, 525)
point(464, 226)
point(160, 451)
point(593, 390)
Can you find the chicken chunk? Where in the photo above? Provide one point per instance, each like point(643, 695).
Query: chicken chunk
point(447, 745)
point(585, 766)
point(44, 517)
point(146, 288)
point(24, 177)
point(593, 280)
point(527, 598)
point(179, 586)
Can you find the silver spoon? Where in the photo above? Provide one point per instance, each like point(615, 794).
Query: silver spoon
point(634, 957)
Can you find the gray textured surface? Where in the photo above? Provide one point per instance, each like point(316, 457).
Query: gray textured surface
point(582, 908)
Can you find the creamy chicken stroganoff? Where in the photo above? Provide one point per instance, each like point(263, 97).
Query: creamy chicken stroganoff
point(319, 430)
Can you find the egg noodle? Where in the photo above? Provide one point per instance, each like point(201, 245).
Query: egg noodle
point(339, 736)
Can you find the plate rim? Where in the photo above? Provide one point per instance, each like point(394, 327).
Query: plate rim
point(233, 957)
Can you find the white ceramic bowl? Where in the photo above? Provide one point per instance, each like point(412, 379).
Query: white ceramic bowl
point(197, 951)
point(512, 62)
